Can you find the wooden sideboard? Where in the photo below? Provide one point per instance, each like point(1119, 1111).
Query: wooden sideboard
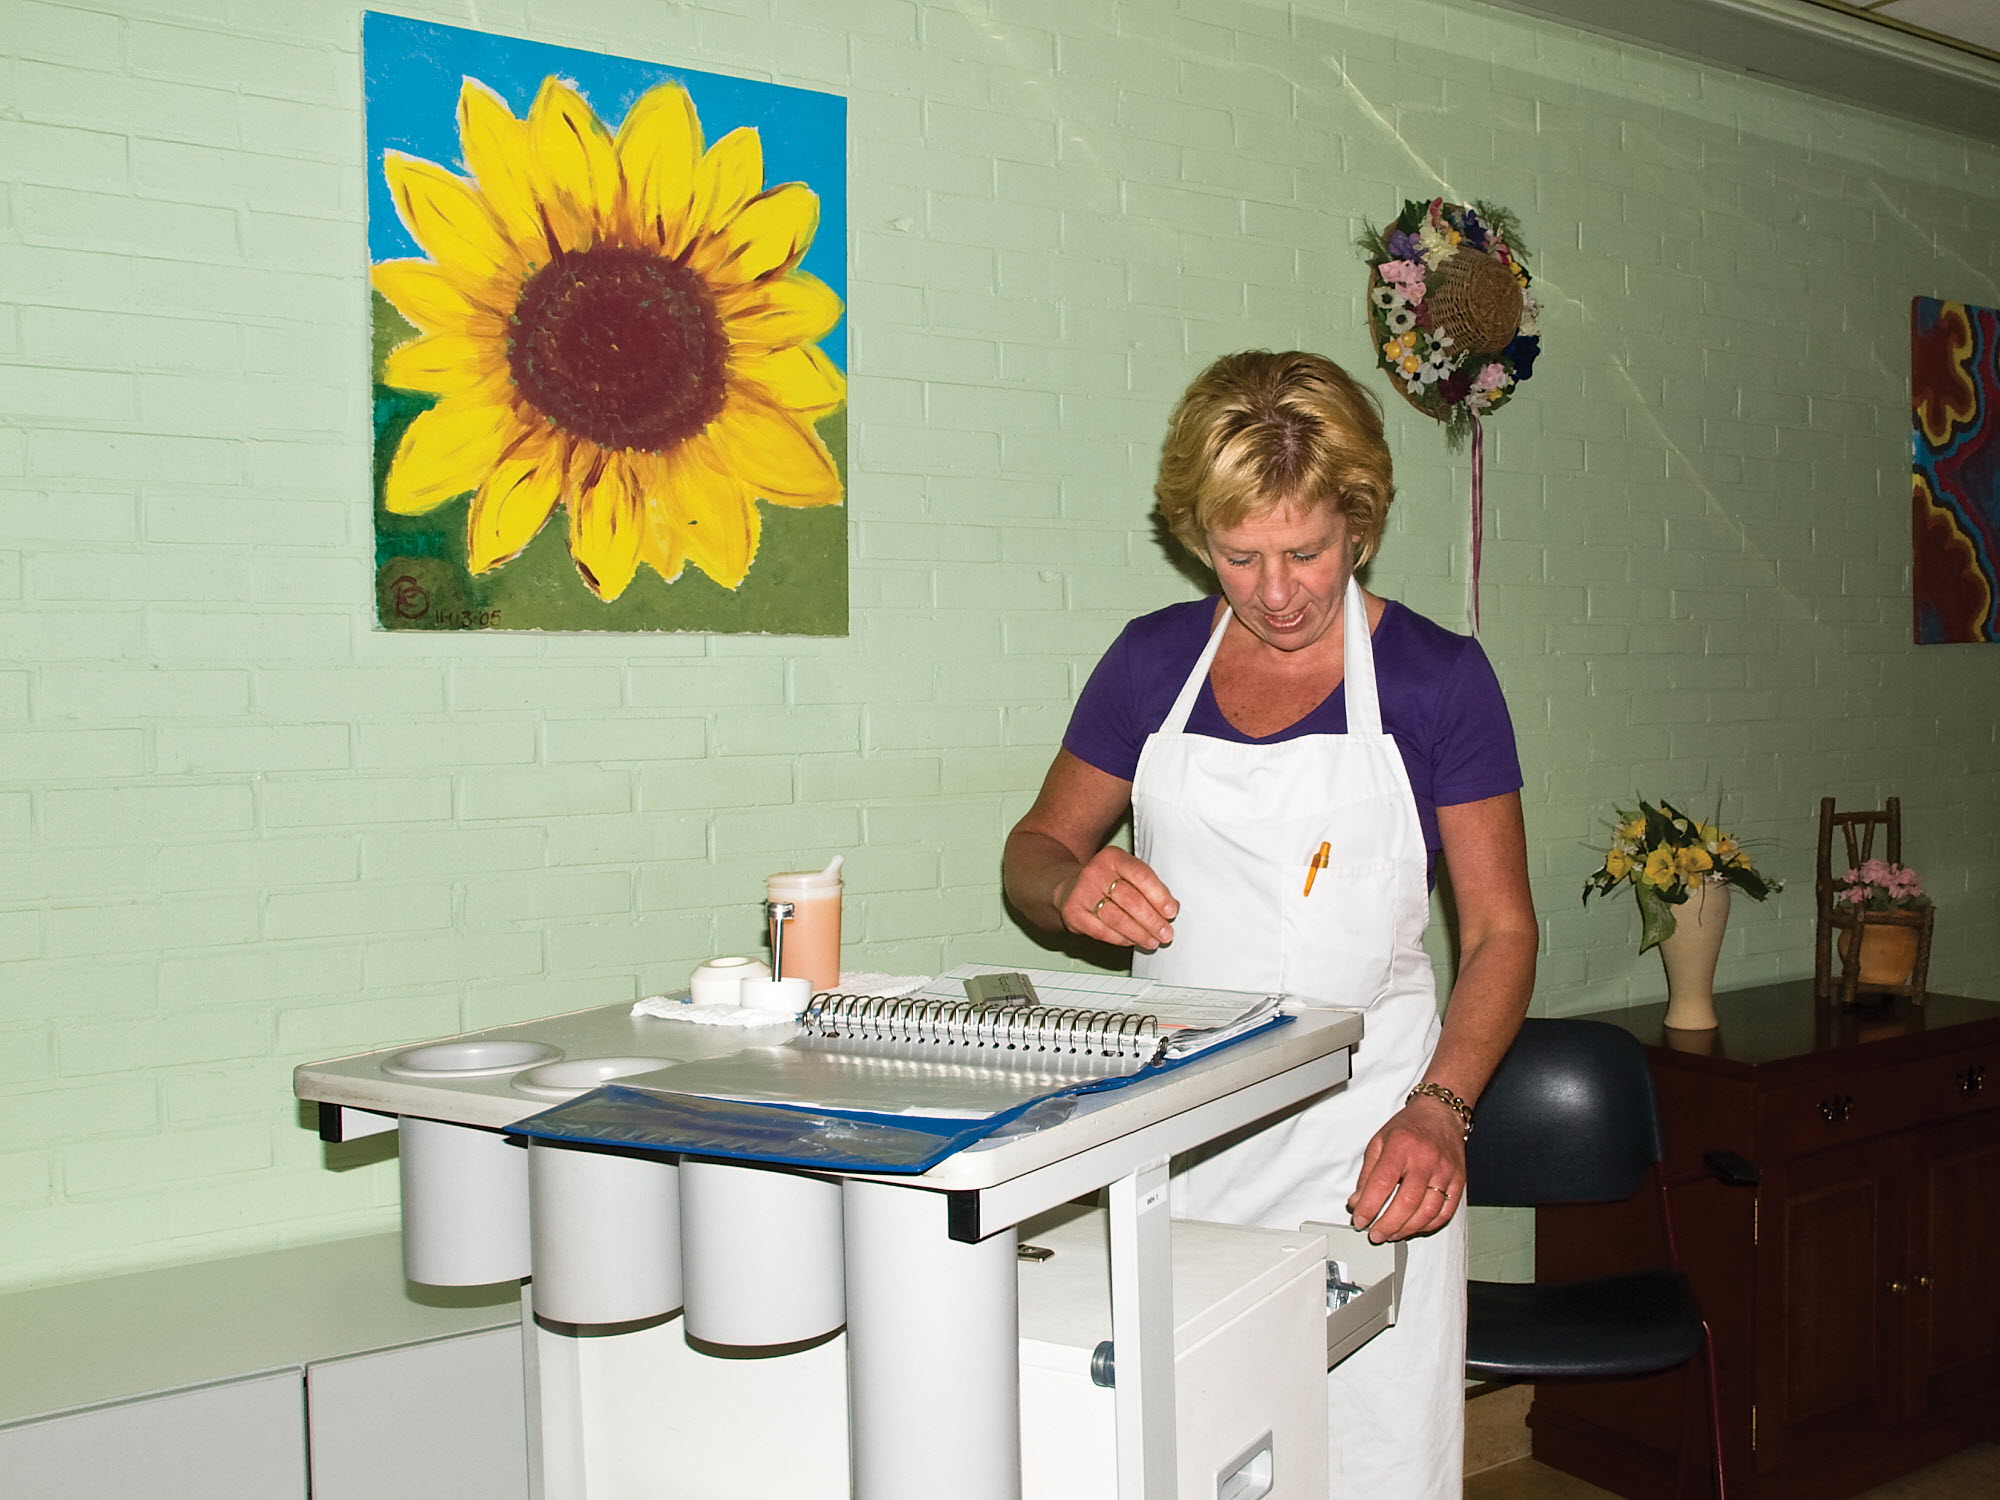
point(1854, 1293)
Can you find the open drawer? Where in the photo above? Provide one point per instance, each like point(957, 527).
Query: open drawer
point(1377, 1270)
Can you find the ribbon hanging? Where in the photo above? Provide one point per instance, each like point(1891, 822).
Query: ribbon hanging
point(1478, 520)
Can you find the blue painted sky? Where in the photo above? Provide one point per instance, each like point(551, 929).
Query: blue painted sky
point(413, 71)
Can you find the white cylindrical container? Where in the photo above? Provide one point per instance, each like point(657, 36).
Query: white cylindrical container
point(718, 981)
point(812, 936)
point(465, 1204)
point(779, 996)
point(607, 1234)
point(760, 1254)
point(933, 1352)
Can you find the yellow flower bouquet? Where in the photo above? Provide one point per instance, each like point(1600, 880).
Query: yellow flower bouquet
point(1664, 854)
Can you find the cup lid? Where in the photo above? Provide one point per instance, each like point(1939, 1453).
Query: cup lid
point(790, 884)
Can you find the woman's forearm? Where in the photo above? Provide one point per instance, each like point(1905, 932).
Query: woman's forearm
point(1495, 981)
point(1037, 872)
point(1485, 850)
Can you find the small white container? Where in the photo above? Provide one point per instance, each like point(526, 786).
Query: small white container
point(717, 981)
point(465, 1204)
point(779, 996)
point(760, 1254)
point(606, 1234)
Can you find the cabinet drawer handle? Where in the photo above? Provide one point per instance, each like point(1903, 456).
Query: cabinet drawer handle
point(1922, 1283)
point(1897, 1288)
point(1971, 1080)
point(1837, 1110)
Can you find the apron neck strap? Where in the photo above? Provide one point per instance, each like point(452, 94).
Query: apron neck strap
point(1176, 721)
point(1364, 705)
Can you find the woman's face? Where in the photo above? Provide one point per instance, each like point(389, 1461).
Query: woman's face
point(1285, 573)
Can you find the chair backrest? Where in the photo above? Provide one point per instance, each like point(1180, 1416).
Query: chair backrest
point(1569, 1117)
point(1857, 830)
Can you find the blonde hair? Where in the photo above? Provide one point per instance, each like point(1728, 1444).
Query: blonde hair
point(1257, 432)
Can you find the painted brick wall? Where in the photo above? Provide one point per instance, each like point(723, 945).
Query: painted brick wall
point(238, 829)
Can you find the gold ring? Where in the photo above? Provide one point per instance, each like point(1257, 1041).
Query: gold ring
point(1100, 903)
point(1116, 880)
point(1445, 1191)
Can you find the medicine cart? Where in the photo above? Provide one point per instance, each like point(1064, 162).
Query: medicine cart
point(910, 1288)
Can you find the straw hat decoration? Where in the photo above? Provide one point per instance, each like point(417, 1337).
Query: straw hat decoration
point(1454, 319)
point(1450, 304)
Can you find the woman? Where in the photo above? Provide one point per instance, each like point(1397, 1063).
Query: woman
point(1259, 754)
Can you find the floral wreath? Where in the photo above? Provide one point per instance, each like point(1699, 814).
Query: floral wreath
point(1450, 305)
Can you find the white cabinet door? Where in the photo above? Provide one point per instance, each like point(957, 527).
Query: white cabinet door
point(241, 1441)
point(421, 1423)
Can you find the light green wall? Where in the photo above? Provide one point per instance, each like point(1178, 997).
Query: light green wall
point(239, 830)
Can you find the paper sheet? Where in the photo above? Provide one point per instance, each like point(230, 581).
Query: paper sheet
point(893, 1078)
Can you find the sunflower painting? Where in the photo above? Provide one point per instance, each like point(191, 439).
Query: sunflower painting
point(608, 314)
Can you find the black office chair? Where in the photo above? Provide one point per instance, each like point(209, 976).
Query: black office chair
point(1570, 1117)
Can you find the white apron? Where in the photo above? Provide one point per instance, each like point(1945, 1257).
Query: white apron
point(1231, 829)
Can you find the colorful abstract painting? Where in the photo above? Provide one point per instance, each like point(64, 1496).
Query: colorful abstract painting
point(1955, 473)
point(609, 341)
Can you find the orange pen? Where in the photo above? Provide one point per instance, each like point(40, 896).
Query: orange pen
point(1315, 865)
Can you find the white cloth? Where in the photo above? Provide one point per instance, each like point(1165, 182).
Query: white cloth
point(676, 1007)
point(668, 1008)
point(1231, 829)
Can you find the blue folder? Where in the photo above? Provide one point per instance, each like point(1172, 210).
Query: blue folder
point(797, 1135)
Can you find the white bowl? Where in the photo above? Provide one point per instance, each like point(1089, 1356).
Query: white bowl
point(579, 1075)
point(718, 981)
point(475, 1059)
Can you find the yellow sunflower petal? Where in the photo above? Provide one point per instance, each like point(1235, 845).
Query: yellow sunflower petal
point(659, 147)
point(801, 380)
point(446, 216)
point(729, 176)
point(511, 506)
point(606, 520)
point(445, 452)
point(448, 364)
point(775, 454)
point(771, 234)
point(716, 518)
point(430, 296)
point(780, 312)
point(660, 547)
point(495, 147)
point(660, 551)
point(575, 168)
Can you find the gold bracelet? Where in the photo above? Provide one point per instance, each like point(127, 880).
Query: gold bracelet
point(1447, 1098)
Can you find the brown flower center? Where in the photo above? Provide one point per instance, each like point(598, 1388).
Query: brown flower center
point(620, 346)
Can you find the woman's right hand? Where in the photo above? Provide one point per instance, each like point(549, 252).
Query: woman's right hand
point(1116, 898)
point(1061, 875)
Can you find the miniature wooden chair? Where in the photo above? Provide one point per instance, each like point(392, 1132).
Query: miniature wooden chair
point(1837, 919)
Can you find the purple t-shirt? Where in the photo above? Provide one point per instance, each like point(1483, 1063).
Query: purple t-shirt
point(1440, 702)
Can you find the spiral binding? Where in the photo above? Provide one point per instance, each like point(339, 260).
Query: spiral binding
point(959, 1023)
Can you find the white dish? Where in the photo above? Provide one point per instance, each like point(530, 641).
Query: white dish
point(469, 1059)
point(782, 997)
point(716, 982)
point(579, 1075)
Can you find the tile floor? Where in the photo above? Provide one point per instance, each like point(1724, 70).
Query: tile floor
point(1973, 1474)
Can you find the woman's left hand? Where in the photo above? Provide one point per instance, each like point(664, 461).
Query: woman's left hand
point(1412, 1175)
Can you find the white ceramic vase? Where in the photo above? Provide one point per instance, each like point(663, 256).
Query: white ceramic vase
point(1690, 956)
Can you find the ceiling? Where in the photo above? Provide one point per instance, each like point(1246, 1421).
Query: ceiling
point(1972, 24)
point(1933, 61)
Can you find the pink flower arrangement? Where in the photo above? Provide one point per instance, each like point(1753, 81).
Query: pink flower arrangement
point(1405, 276)
point(1877, 885)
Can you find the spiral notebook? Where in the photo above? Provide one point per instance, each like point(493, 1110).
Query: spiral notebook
point(937, 1053)
point(895, 1085)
